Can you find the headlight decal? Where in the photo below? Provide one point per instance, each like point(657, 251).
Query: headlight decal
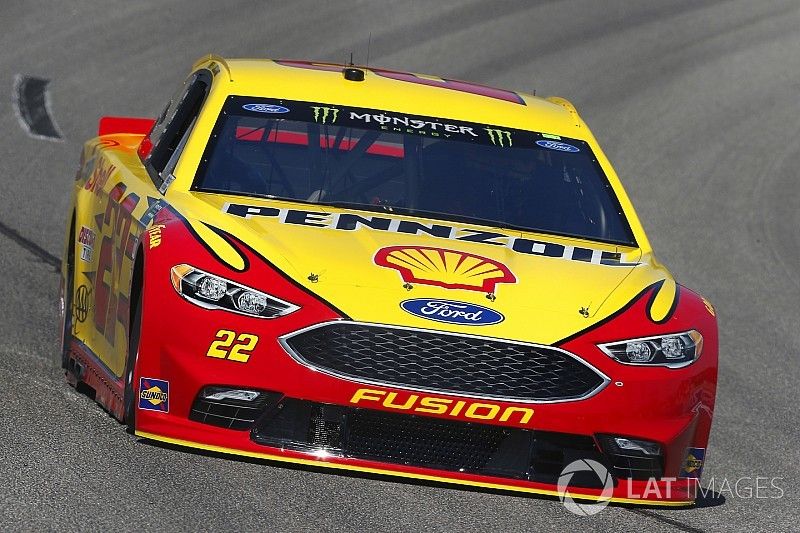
point(211, 291)
point(673, 351)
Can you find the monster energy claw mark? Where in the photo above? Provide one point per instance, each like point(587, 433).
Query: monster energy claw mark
point(321, 114)
point(499, 137)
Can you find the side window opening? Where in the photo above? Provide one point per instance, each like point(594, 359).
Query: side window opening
point(170, 132)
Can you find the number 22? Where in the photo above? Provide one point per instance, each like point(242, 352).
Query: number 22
point(232, 347)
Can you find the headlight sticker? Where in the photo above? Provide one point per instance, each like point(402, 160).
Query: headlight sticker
point(675, 350)
point(215, 292)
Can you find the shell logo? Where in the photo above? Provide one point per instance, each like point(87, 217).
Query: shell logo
point(451, 269)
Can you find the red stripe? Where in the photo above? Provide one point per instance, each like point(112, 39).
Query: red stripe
point(301, 139)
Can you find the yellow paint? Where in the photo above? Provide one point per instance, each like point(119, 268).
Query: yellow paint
point(107, 163)
point(709, 307)
point(664, 299)
point(421, 477)
point(542, 306)
point(155, 235)
point(224, 348)
point(221, 247)
point(524, 411)
point(432, 404)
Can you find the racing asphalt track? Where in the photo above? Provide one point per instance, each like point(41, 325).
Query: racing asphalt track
point(696, 102)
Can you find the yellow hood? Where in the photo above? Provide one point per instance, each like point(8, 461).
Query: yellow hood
point(368, 271)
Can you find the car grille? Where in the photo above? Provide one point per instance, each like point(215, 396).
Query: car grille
point(426, 442)
point(632, 467)
point(443, 362)
point(420, 441)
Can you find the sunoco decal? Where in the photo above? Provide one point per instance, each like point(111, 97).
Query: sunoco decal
point(265, 108)
point(461, 313)
point(693, 465)
point(154, 394)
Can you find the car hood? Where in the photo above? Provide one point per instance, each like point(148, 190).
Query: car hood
point(368, 273)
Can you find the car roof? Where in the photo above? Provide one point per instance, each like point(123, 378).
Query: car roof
point(381, 89)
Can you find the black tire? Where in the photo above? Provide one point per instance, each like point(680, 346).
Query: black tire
point(69, 294)
point(134, 333)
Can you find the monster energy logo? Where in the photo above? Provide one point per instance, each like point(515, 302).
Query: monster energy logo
point(499, 137)
point(321, 114)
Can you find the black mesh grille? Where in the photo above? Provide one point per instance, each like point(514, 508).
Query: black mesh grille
point(441, 362)
point(426, 442)
point(633, 467)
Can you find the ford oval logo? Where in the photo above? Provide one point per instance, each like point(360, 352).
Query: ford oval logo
point(555, 145)
point(461, 313)
point(266, 108)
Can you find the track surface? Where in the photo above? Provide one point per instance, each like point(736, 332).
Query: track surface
point(696, 102)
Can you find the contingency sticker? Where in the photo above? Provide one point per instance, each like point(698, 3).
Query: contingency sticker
point(266, 108)
point(559, 146)
point(86, 239)
point(154, 394)
point(693, 465)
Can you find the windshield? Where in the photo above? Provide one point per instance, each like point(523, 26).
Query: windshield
point(390, 162)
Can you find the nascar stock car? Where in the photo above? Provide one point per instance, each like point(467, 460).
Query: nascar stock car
point(383, 272)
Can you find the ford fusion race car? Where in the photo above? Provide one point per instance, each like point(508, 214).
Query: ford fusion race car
point(383, 272)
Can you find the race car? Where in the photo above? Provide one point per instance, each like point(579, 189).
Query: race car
point(384, 272)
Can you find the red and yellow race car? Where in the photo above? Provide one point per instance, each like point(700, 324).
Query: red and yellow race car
point(383, 272)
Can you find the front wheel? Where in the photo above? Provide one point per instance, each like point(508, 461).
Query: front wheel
point(129, 398)
point(69, 294)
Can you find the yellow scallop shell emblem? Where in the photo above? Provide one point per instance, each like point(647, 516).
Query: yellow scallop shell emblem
point(451, 269)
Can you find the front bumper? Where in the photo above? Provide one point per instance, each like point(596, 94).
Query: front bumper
point(338, 455)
